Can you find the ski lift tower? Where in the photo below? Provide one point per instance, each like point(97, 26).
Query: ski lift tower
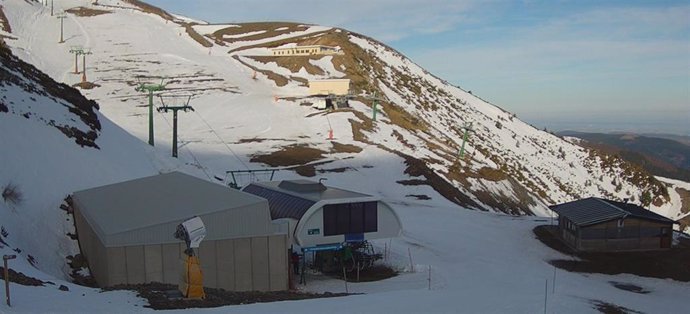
point(374, 106)
point(76, 50)
point(150, 88)
point(62, 16)
point(83, 64)
point(186, 107)
point(467, 127)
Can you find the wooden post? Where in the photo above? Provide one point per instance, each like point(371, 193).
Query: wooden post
point(411, 264)
point(385, 251)
point(345, 278)
point(7, 282)
point(553, 290)
point(546, 292)
point(429, 277)
point(357, 271)
point(7, 276)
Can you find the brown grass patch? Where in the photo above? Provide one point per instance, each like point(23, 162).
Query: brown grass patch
point(609, 308)
point(684, 223)
point(188, 27)
point(86, 85)
point(293, 63)
point(270, 28)
point(86, 12)
point(345, 148)
point(491, 174)
point(275, 77)
point(684, 200)
point(4, 23)
point(145, 7)
point(155, 294)
point(297, 154)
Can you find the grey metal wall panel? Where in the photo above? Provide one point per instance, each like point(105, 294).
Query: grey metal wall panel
point(91, 248)
point(153, 262)
point(243, 264)
point(207, 256)
point(277, 262)
point(250, 220)
point(171, 260)
point(260, 271)
point(136, 269)
point(140, 203)
point(225, 263)
point(117, 266)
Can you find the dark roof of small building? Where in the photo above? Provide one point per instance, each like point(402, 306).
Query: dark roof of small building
point(292, 198)
point(594, 210)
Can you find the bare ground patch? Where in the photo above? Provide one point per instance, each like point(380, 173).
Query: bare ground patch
point(668, 263)
point(155, 294)
point(293, 63)
point(345, 148)
point(684, 199)
point(4, 23)
point(188, 27)
point(275, 77)
point(86, 12)
point(271, 29)
point(629, 287)
point(20, 278)
point(609, 308)
point(86, 85)
point(297, 154)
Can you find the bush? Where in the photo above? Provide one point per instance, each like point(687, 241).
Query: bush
point(11, 194)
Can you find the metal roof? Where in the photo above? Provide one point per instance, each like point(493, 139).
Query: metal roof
point(292, 198)
point(282, 205)
point(330, 193)
point(594, 210)
point(160, 199)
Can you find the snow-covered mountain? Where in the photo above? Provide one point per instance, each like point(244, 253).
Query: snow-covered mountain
point(240, 90)
point(249, 114)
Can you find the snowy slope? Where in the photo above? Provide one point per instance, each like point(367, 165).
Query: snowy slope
point(481, 262)
point(56, 142)
point(248, 104)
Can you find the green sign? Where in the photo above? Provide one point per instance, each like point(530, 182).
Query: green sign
point(313, 231)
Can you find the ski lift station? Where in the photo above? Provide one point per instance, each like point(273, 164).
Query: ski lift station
point(324, 218)
point(126, 232)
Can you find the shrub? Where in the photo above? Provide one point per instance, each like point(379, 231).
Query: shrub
point(11, 194)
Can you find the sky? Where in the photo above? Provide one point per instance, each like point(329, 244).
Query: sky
point(584, 65)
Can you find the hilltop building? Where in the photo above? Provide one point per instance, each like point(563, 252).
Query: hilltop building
point(595, 224)
point(306, 51)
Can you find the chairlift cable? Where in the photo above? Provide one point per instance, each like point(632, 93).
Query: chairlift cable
point(196, 160)
point(221, 140)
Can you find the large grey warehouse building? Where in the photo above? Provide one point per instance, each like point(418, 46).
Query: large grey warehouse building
point(126, 232)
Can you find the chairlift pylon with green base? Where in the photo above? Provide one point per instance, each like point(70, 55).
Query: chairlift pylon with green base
point(150, 89)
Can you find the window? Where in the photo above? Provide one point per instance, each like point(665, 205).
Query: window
point(350, 218)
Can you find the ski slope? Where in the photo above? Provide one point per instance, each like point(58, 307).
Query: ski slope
point(480, 262)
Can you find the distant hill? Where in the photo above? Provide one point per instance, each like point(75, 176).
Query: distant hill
point(660, 155)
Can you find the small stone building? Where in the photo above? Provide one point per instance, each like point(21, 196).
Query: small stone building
point(126, 233)
point(339, 87)
point(595, 224)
